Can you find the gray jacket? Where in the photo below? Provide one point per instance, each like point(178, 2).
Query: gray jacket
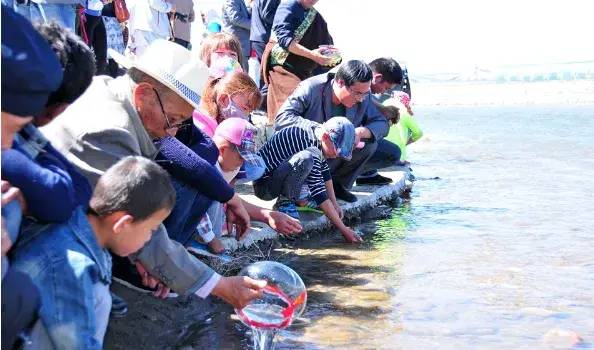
point(312, 100)
point(96, 131)
point(237, 21)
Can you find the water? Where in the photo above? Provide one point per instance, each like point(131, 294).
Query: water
point(495, 253)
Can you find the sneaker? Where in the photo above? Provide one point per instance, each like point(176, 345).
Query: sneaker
point(119, 307)
point(343, 193)
point(374, 180)
point(287, 207)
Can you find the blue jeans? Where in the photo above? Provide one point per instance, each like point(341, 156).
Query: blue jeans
point(12, 216)
point(190, 206)
point(64, 14)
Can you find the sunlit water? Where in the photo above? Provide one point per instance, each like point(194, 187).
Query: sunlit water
point(495, 253)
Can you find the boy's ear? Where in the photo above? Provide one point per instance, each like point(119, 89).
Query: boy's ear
point(377, 78)
point(122, 223)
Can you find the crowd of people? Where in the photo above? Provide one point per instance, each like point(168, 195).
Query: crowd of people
point(122, 173)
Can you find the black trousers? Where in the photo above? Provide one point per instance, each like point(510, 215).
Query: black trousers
point(98, 41)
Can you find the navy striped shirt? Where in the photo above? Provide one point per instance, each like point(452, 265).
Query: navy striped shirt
point(290, 141)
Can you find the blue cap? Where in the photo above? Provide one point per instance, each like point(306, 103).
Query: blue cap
point(342, 134)
point(30, 69)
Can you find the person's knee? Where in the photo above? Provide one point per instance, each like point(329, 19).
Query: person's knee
point(305, 161)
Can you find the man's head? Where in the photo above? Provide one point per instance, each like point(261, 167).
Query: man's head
point(78, 64)
point(337, 138)
point(131, 199)
point(352, 82)
point(30, 72)
point(168, 83)
point(386, 75)
point(236, 140)
point(161, 110)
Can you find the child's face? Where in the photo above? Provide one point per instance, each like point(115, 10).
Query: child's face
point(229, 157)
point(328, 147)
point(223, 52)
point(133, 235)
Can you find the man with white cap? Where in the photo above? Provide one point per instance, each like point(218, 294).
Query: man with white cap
point(119, 117)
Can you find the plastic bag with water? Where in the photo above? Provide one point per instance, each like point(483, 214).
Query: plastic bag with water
point(284, 298)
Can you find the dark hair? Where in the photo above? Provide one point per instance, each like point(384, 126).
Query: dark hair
point(354, 71)
point(76, 58)
point(134, 185)
point(388, 68)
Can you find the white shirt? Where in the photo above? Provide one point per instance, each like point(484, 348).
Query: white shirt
point(150, 16)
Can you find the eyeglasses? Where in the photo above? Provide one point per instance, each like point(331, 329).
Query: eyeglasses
point(167, 122)
point(358, 95)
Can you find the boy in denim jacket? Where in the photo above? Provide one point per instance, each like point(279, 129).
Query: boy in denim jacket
point(70, 264)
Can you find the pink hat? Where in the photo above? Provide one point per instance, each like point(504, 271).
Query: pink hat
point(241, 133)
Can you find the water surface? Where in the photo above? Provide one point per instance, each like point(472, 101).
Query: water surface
point(493, 250)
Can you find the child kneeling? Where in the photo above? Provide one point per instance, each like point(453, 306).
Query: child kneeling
point(235, 141)
point(296, 167)
point(69, 261)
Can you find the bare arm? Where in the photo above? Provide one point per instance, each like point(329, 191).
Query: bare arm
point(350, 235)
point(280, 222)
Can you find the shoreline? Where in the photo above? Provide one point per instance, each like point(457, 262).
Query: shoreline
point(484, 93)
point(168, 321)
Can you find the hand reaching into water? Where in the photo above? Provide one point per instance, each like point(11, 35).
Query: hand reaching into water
point(351, 236)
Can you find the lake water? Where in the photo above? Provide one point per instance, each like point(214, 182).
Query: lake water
point(494, 249)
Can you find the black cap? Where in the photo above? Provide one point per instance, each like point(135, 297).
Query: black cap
point(30, 68)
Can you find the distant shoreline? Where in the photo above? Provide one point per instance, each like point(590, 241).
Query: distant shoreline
point(579, 92)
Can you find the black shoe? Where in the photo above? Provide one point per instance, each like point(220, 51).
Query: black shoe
point(374, 180)
point(343, 193)
point(119, 307)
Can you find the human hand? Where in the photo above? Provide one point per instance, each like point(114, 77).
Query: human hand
point(360, 134)
point(239, 290)
point(283, 223)
point(6, 242)
point(152, 282)
point(10, 193)
point(320, 59)
point(236, 214)
point(351, 236)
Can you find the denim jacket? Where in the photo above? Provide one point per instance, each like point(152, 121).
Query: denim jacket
point(65, 262)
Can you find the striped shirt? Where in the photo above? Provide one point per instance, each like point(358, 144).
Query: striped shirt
point(290, 141)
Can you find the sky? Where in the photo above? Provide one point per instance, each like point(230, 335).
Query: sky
point(444, 36)
point(435, 36)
